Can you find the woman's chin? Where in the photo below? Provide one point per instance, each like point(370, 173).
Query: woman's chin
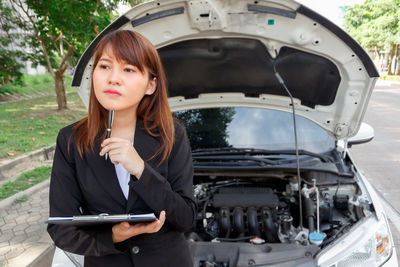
point(108, 105)
point(117, 105)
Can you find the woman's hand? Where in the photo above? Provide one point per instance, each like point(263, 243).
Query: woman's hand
point(124, 230)
point(121, 151)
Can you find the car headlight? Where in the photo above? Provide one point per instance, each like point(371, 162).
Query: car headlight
point(373, 252)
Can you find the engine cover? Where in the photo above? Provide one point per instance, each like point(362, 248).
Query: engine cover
point(232, 197)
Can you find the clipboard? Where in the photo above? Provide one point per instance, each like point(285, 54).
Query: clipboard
point(103, 218)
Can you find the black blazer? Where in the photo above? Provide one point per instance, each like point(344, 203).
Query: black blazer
point(90, 186)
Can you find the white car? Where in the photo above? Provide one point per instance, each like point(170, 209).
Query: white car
point(267, 195)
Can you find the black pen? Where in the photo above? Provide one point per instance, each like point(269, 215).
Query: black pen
point(109, 124)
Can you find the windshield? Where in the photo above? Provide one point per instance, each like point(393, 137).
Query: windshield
point(252, 128)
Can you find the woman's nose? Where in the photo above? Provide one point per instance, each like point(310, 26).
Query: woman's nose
point(114, 78)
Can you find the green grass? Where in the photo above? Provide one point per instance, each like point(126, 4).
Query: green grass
point(22, 199)
point(24, 181)
point(33, 84)
point(28, 125)
point(390, 77)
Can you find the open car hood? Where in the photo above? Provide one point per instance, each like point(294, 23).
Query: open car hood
point(222, 53)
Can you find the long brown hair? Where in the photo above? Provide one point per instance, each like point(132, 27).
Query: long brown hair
point(135, 49)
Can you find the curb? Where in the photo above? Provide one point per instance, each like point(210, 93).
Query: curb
point(44, 258)
point(5, 203)
point(40, 255)
point(24, 162)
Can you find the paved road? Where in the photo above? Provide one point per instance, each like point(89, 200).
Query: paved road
point(23, 235)
point(379, 160)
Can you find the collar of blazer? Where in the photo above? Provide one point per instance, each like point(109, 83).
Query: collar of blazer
point(104, 170)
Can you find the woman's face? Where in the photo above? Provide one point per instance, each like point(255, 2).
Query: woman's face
point(118, 85)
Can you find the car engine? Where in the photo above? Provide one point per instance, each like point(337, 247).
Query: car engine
point(266, 211)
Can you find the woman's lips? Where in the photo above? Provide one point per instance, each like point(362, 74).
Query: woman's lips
point(112, 93)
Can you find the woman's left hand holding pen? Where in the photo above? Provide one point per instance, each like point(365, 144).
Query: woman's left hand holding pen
point(121, 151)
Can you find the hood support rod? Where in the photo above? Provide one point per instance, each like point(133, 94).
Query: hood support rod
point(282, 82)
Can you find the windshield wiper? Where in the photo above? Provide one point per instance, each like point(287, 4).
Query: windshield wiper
point(240, 160)
point(256, 152)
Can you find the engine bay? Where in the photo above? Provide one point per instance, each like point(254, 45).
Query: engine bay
point(250, 213)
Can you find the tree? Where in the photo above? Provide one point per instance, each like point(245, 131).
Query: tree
point(10, 66)
point(60, 30)
point(207, 128)
point(375, 24)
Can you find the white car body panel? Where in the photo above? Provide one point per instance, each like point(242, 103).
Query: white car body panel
point(169, 22)
point(233, 19)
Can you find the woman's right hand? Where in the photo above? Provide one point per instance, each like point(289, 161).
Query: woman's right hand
point(124, 230)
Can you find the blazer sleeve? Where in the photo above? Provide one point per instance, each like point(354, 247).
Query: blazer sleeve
point(173, 193)
point(65, 200)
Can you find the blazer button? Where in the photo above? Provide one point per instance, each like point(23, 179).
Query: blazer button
point(135, 250)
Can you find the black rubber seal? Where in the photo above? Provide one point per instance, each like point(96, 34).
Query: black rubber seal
point(272, 10)
point(357, 49)
point(158, 15)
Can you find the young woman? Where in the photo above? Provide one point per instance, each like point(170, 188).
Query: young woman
point(149, 166)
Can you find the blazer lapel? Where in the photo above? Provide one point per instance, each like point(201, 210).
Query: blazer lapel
point(105, 175)
point(145, 146)
point(144, 143)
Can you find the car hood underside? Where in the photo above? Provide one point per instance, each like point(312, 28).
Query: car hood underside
point(230, 53)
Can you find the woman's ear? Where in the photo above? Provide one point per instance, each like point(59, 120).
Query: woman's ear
point(151, 88)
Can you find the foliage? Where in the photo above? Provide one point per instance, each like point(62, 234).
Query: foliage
point(58, 31)
point(10, 58)
point(207, 128)
point(72, 23)
point(61, 24)
point(374, 23)
point(31, 85)
point(10, 68)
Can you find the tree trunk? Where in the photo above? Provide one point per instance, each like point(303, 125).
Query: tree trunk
point(60, 90)
point(397, 68)
point(392, 50)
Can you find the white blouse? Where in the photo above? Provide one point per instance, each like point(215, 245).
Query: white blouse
point(123, 178)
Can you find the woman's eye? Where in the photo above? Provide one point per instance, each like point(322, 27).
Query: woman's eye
point(129, 70)
point(104, 67)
